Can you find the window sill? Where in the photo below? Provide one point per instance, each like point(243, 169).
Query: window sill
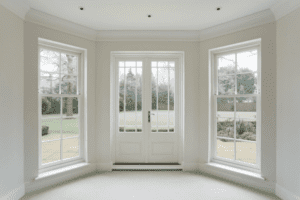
point(61, 170)
point(232, 171)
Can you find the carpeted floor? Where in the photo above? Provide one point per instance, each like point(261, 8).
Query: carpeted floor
point(144, 185)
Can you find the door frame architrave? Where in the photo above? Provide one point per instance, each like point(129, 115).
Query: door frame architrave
point(114, 82)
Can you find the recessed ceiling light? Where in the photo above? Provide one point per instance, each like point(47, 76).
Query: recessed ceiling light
point(81, 8)
point(219, 8)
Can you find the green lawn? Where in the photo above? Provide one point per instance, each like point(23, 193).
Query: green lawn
point(51, 150)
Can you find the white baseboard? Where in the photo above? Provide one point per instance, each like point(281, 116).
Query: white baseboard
point(14, 194)
point(285, 194)
point(243, 179)
point(190, 167)
point(44, 182)
point(104, 167)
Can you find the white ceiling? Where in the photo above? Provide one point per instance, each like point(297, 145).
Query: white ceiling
point(166, 14)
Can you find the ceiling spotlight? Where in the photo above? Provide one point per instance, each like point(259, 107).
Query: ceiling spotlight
point(149, 16)
point(218, 8)
point(81, 8)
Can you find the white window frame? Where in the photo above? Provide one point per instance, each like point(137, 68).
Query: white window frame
point(213, 78)
point(81, 88)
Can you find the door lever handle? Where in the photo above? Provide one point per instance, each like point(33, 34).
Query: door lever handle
point(149, 116)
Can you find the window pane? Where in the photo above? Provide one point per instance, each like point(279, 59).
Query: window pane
point(69, 84)
point(162, 64)
point(247, 83)
point(49, 61)
point(130, 115)
point(163, 103)
point(70, 148)
point(226, 85)
point(247, 61)
point(162, 121)
point(49, 83)
point(246, 129)
point(171, 64)
point(154, 88)
point(246, 118)
point(172, 88)
point(130, 64)
point(70, 107)
point(139, 87)
point(226, 64)
point(139, 64)
point(51, 106)
point(225, 105)
point(225, 127)
point(246, 104)
point(121, 64)
point(154, 97)
point(70, 127)
point(51, 129)
point(130, 121)
point(225, 148)
point(246, 152)
point(50, 151)
point(121, 96)
point(69, 64)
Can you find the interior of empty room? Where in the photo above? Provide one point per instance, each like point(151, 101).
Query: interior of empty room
point(160, 100)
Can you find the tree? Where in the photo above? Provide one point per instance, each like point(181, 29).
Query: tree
point(69, 78)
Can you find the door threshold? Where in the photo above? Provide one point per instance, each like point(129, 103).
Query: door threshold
point(148, 167)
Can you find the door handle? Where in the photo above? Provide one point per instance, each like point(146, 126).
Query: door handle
point(149, 116)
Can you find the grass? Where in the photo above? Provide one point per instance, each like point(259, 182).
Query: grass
point(51, 150)
point(246, 151)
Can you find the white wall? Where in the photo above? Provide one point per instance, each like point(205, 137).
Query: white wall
point(267, 33)
point(31, 34)
point(192, 60)
point(288, 98)
point(11, 105)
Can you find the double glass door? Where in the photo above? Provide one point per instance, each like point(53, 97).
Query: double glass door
point(147, 101)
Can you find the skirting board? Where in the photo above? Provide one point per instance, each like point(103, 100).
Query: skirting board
point(285, 194)
point(15, 194)
point(190, 167)
point(263, 185)
point(59, 178)
point(104, 167)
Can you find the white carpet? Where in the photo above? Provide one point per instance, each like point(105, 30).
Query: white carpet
point(146, 185)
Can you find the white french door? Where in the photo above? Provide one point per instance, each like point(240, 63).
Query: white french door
point(147, 119)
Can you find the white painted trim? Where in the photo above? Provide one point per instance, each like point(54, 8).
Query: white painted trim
point(180, 55)
point(285, 194)
point(284, 7)
point(59, 176)
point(153, 35)
point(104, 167)
point(66, 26)
point(14, 194)
point(60, 24)
point(190, 167)
point(239, 176)
point(18, 7)
point(243, 23)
